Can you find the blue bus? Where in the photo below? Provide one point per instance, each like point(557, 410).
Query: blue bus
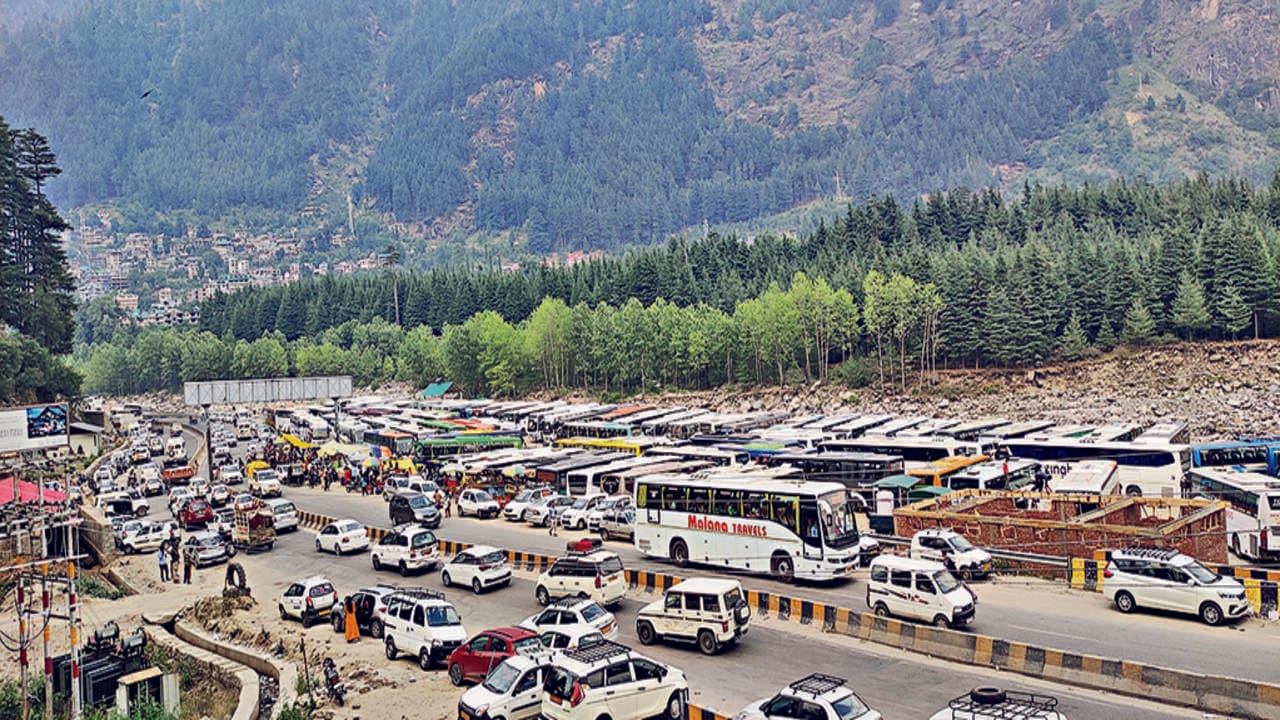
point(1233, 453)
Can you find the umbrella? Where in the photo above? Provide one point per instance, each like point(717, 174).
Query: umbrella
point(516, 470)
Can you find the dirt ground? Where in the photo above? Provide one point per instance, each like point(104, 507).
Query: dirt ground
point(376, 689)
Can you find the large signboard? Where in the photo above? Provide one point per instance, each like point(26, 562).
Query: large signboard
point(242, 392)
point(38, 426)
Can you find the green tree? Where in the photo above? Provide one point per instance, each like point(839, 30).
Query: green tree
point(1139, 328)
point(1189, 310)
point(1106, 337)
point(1233, 312)
point(1073, 344)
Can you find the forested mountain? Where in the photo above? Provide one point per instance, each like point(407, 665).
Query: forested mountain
point(573, 124)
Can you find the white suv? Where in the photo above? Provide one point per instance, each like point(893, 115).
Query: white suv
point(406, 548)
point(609, 680)
point(964, 559)
point(989, 703)
point(1168, 580)
point(708, 611)
point(816, 697)
point(575, 516)
point(512, 690)
point(422, 623)
point(308, 600)
point(570, 615)
point(597, 574)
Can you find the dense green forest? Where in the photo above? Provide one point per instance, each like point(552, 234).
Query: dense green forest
point(878, 294)
point(36, 301)
point(570, 124)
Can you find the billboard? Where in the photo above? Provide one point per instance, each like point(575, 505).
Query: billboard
point(238, 392)
point(38, 426)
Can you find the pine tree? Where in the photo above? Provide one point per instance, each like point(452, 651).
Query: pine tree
point(1189, 310)
point(1073, 344)
point(1139, 327)
point(1106, 337)
point(1234, 314)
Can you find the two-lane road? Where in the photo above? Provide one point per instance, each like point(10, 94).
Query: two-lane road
point(1020, 609)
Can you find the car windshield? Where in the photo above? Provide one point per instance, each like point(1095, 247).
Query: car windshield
point(608, 566)
point(502, 677)
point(442, 615)
point(591, 612)
point(838, 519)
point(945, 581)
point(849, 707)
point(285, 507)
point(483, 496)
point(961, 544)
point(418, 502)
point(1202, 574)
point(493, 558)
point(579, 504)
point(423, 539)
point(525, 496)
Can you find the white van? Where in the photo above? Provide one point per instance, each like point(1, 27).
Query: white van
point(920, 590)
point(284, 514)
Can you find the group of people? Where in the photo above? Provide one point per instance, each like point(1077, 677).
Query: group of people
point(171, 559)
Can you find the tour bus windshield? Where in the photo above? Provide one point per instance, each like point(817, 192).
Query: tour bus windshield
point(837, 514)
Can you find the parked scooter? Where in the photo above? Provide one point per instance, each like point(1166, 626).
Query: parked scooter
point(333, 684)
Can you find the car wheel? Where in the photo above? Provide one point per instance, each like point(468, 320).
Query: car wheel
point(679, 553)
point(675, 706)
point(543, 597)
point(882, 610)
point(645, 633)
point(231, 551)
point(476, 587)
point(377, 564)
point(424, 659)
point(375, 628)
point(582, 524)
point(455, 674)
point(1211, 614)
point(318, 548)
point(404, 569)
point(966, 574)
point(941, 621)
point(338, 623)
point(445, 579)
point(283, 615)
point(306, 619)
point(1125, 602)
point(707, 643)
point(604, 534)
point(390, 648)
point(783, 568)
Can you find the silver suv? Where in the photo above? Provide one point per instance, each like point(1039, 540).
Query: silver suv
point(1168, 580)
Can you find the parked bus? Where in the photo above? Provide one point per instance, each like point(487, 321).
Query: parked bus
point(786, 528)
point(636, 445)
point(851, 469)
point(719, 456)
point(455, 444)
point(1084, 477)
point(557, 474)
point(1143, 469)
point(1166, 433)
point(1253, 512)
point(1237, 453)
point(623, 481)
point(1011, 474)
point(589, 480)
point(915, 452)
point(398, 443)
point(935, 473)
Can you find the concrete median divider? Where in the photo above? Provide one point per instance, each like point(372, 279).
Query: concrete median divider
point(1229, 696)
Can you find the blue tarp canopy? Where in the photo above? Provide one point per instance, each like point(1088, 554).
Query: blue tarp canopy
point(435, 390)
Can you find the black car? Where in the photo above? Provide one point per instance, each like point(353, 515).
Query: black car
point(370, 602)
point(413, 507)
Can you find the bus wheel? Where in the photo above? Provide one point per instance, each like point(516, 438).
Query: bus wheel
point(783, 568)
point(1133, 491)
point(679, 552)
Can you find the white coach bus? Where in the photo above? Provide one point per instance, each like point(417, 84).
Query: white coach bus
point(785, 528)
point(1253, 516)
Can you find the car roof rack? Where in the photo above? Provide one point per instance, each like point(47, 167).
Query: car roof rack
point(1003, 705)
point(416, 592)
point(567, 601)
point(817, 684)
point(1153, 553)
point(598, 651)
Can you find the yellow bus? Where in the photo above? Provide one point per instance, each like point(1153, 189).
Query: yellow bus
point(634, 445)
point(935, 472)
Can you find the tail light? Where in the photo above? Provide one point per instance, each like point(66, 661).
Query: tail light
point(576, 698)
point(1107, 573)
point(724, 626)
point(598, 581)
point(310, 603)
point(413, 554)
point(485, 568)
point(345, 539)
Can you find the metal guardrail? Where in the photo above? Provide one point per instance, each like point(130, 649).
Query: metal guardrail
point(1050, 560)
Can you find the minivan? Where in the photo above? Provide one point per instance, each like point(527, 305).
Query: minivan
point(920, 590)
point(284, 514)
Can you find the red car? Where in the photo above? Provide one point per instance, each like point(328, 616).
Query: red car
point(473, 660)
point(195, 512)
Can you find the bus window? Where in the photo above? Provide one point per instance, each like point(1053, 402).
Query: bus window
point(673, 499)
point(810, 528)
point(728, 502)
point(699, 500)
point(753, 505)
point(642, 495)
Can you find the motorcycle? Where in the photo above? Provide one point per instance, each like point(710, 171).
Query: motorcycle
point(332, 683)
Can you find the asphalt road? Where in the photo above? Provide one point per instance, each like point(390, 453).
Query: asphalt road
point(901, 685)
point(1027, 610)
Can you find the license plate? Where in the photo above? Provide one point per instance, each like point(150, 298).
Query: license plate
point(607, 629)
point(463, 715)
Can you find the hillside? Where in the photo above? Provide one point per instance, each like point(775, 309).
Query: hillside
point(563, 124)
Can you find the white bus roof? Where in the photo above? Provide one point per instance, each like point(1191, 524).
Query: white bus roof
point(665, 466)
point(1015, 430)
point(673, 417)
point(745, 481)
point(1244, 478)
point(1169, 432)
point(623, 464)
point(1112, 433)
point(893, 427)
point(975, 427)
point(934, 426)
point(861, 424)
point(899, 441)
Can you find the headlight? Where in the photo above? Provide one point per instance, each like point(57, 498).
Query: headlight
point(436, 643)
point(482, 710)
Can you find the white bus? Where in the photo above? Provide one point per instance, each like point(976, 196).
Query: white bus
point(916, 452)
point(1253, 512)
point(1149, 469)
point(786, 528)
point(1084, 477)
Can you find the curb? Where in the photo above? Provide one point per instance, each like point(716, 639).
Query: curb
point(285, 674)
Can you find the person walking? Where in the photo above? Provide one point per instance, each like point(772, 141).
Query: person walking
point(163, 558)
point(553, 524)
point(186, 569)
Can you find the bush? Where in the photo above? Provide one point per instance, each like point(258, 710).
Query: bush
point(854, 372)
point(97, 588)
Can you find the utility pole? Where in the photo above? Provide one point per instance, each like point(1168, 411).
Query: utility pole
point(208, 445)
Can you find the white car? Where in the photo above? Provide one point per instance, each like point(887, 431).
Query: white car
point(230, 475)
point(711, 612)
point(989, 703)
point(597, 575)
point(816, 697)
point(613, 503)
point(516, 506)
point(219, 495)
point(479, 566)
point(177, 496)
point(148, 536)
point(544, 511)
point(342, 536)
point(1168, 580)
point(570, 637)
point(572, 614)
point(406, 548)
point(477, 503)
point(512, 691)
point(575, 516)
point(284, 515)
point(422, 623)
point(610, 680)
point(265, 483)
point(308, 600)
point(950, 548)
